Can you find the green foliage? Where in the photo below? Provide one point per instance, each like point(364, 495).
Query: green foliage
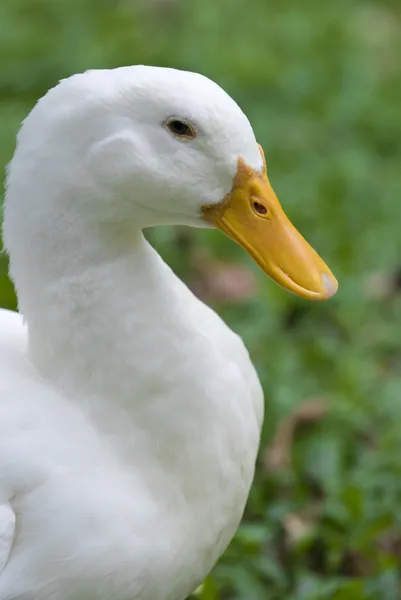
point(321, 84)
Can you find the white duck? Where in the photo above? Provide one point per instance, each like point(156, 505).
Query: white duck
point(130, 413)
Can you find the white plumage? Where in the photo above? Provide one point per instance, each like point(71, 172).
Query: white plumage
point(129, 412)
point(128, 432)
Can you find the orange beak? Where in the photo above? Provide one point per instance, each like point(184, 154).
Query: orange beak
point(252, 216)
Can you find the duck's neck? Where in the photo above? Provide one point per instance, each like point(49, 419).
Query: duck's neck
point(130, 342)
point(99, 329)
point(122, 336)
point(109, 323)
point(120, 339)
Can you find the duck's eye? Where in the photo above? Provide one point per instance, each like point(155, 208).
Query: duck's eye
point(180, 129)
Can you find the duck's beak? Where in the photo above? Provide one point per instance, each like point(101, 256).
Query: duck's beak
point(252, 216)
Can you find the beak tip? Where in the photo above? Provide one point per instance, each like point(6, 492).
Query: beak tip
point(330, 285)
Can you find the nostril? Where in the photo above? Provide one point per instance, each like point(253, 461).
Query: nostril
point(259, 208)
point(330, 285)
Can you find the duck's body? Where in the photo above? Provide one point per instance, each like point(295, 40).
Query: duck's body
point(105, 498)
point(129, 412)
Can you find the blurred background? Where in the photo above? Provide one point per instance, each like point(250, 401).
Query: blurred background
point(321, 84)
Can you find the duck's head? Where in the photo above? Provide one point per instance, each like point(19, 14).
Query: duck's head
point(143, 146)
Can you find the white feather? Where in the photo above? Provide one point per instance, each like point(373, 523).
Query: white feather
point(129, 412)
point(7, 529)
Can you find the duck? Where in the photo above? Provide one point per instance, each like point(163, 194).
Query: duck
point(130, 412)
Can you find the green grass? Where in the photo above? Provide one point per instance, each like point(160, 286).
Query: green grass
point(321, 83)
